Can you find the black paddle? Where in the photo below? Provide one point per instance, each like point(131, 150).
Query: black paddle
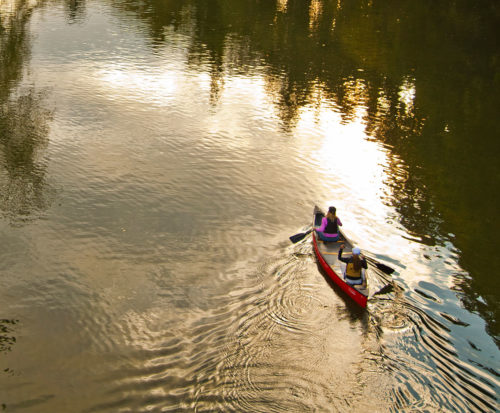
point(385, 268)
point(382, 267)
point(385, 289)
point(300, 236)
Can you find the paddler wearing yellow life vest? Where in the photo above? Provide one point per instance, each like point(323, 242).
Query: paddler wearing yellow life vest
point(354, 273)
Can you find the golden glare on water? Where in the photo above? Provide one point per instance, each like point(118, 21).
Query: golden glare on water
point(282, 5)
point(158, 88)
point(240, 95)
point(347, 154)
point(407, 93)
point(348, 161)
point(315, 10)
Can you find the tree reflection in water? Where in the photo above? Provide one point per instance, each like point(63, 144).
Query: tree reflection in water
point(24, 122)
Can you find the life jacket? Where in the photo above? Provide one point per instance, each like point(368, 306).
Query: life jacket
point(331, 227)
point(351, 273)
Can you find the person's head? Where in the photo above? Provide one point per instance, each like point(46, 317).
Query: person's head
point(331, 213)
point(356, 251)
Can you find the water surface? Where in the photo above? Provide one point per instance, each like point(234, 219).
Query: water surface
point(155, 156)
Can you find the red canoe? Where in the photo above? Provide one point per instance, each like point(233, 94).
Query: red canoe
point(327, 252)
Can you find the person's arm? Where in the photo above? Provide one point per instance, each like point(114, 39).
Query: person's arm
point(324, 221)
point(363, 263)
point(339, 222)
point(346, 260)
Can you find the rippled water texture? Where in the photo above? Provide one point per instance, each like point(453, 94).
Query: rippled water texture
point(155, 157)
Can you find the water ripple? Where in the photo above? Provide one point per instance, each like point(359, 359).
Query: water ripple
point(424, 375)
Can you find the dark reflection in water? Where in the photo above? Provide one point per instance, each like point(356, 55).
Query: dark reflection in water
point(24, 125)
point(76, 10)
point(7, 340)
point(23, 132)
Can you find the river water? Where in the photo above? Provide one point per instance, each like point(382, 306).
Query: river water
point(156, 155)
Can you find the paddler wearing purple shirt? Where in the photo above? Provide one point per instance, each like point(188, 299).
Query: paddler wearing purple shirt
point(329, 229)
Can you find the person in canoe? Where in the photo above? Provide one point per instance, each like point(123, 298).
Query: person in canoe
point(354, 273)
point(329, 229)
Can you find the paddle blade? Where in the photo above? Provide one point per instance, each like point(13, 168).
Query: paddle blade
point(299, 237)
point(382, 267)
point(385, 268)
point(385, 289)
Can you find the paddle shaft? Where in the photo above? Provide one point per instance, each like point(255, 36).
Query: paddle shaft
point(300, 236)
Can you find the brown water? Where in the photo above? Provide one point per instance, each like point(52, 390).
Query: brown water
point(155, 156)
